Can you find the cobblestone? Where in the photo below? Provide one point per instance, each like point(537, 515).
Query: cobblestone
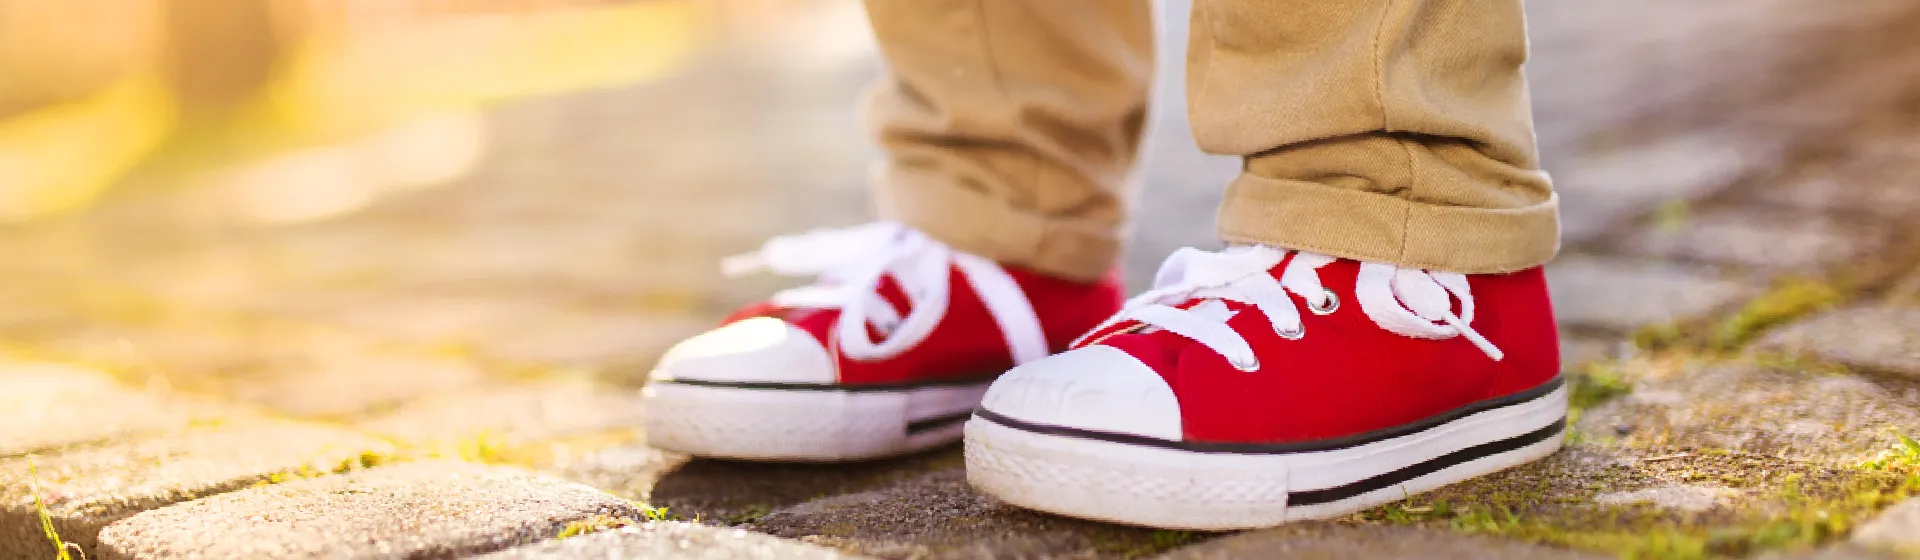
point(1329, 541)
point(1843, 551)
point(511, 413)
point(629, 471)
point(415, 510)
point(50, 406)
point(937, 515)
point(1881, 338)
point(671, 540)
point(1621, 295)
point(729, 490)
point(1610, 185)
point(1682, 497)
point(1827, 419)
point(1577, 351)
point(1880, 189)
point(511, 308)
point(626, 340)
point(1760, 239)
point(343, 383)
point(1897, 528)
point(86, 489)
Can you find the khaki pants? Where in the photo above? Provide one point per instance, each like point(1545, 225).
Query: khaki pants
point(1395, 131)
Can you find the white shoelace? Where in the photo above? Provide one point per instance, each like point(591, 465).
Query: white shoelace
point(1409, 302)
point(850, 264)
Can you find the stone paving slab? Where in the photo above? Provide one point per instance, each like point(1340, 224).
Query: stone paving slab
point(86, 489)
point(1881, 189)
point(437, 316)
point(1897, 528)
point(511, 413)
point(1821, 418)
point(735, 491)
point(938, 515)
point(1761, 239)
point(196, 354)
point(416, 510)
point(1615, 182)
point(629, 340)
point(1620, 295)
point(667, 539)
point(1842, 551)
point(298, 369)
point(629, 471)
point(49, 406)
point(1577, 351)
point(1311, 541)
point(344, 383)
point(1876, 337)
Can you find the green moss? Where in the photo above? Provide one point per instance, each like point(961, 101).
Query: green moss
point(1787, 300)
point(485, 447)
point(1594, 384)
point(365, 460)
point(593, 525)
point(1784, 361)
point(1672, 215)
point(1658, 336)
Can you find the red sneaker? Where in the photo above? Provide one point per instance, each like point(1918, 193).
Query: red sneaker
point(888, 354)
point(1214, 402)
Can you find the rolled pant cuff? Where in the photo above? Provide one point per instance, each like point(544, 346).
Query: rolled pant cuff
point(976, 223)
point(1374, 227)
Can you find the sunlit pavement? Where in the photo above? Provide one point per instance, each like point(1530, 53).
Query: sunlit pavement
point(476, 269)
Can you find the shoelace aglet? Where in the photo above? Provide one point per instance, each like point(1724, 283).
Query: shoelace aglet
point(742, 264)
point(1474, 336)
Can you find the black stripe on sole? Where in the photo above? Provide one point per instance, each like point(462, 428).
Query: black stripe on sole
point(1430, 466)
point(936, 422)
point(1430, 422)
point(825, 388)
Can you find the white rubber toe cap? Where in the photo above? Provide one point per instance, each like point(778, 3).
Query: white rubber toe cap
point(1096, 388)
point(755, 350)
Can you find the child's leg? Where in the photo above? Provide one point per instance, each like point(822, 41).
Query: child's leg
point(1383, 327)
point(1010, 125)
point(1396, 131)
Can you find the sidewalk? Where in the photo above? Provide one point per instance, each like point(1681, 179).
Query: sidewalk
point(213, 370)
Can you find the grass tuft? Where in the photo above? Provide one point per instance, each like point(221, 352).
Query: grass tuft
point(1902, 457)
point(65, 549)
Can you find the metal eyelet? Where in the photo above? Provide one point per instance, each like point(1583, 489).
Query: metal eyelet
point(1295, 334)
point(1249, 368)
point(1332, 305)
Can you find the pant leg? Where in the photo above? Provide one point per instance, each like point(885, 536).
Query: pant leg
point(1397, 131)
point(1010, 126)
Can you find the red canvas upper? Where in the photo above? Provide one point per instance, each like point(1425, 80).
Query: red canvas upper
point(1348, 375)
point(967, 344)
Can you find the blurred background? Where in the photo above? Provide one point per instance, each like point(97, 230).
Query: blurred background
point(183, 183)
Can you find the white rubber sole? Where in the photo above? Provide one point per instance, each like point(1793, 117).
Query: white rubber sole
point(1171, 487)
point(767, 422)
